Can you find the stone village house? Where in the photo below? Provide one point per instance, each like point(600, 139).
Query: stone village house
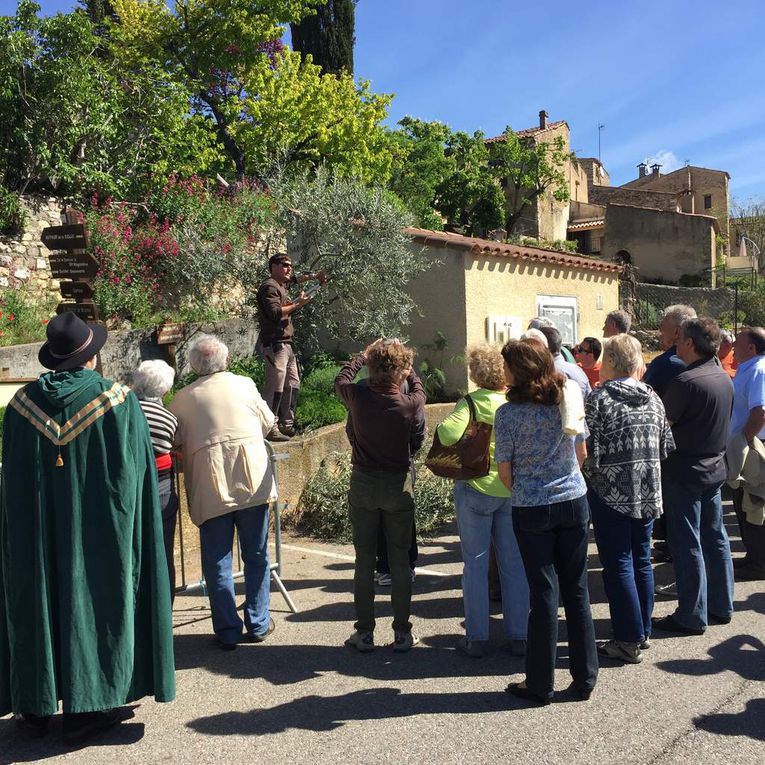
point(667, 225)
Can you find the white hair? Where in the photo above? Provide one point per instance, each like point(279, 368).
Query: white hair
point(152, 379)
point(540, 321)
point(535, 334)
point(679, 313)
point(208, 355)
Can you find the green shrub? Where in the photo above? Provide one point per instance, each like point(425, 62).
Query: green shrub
point(323, 506)
point(13, 216)
point(22, 319)
point(316, 409)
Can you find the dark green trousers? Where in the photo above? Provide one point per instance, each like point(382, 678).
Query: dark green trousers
point(378, 496)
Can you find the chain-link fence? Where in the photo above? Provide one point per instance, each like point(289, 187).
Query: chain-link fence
point(648, 301)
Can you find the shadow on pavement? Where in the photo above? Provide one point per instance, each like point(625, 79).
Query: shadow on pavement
point(742, 654)
point(746, 723)
point(289, 664)
point(18, 747)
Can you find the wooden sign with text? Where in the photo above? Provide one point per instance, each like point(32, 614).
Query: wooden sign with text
point(86, 311)
point(73, 266)
point(69, 237)
point(76, 290)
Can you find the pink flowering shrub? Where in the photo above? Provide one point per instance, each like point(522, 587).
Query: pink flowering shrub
point(176, 254)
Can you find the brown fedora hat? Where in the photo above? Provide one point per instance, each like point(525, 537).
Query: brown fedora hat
point(71, 342)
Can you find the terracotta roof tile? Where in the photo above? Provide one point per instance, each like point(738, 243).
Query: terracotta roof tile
point(503, 250)
point(527, 132)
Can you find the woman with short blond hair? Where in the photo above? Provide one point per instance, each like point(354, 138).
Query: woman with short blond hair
point(484, 513)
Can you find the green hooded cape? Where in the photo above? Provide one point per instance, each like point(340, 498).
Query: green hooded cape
point(85, 615)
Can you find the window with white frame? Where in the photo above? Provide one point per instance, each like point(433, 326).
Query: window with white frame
point(562, 312)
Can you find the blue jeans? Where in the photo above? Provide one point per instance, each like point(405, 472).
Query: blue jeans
point(701, 553)
point(482, 518)
point(624, 548)
point(553, 544)
point(217, 539)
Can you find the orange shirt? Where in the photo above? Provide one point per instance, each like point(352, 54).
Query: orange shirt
point(593, 375)
point(728, 364)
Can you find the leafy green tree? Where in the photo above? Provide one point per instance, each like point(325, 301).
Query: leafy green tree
point(420, 166)
point(74, 120)
point(529, 168)
point(328, 36)
point(354, 232)
point(445, 176)
point(257, 98)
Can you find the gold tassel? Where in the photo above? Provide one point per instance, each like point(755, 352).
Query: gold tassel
point(59, 460)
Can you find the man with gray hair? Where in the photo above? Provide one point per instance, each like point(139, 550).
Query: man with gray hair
point(665, 367)
point(698, 403)
point(540, 322)
point(617, 322)
point(222, 420)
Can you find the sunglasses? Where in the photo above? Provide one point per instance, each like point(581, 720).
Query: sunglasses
point(582, 349)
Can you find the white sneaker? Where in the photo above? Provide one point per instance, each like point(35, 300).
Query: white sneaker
point(383, 580)
point(362, 641)
point(404, 641)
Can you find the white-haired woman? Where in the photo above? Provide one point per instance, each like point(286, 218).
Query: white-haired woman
point(151, 381)
point(484, 515)
point(629, 436)
point(222, 420)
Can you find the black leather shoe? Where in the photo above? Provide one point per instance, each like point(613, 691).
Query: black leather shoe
point(715, 619)
point(80, 727)
point(670, 624)
point(516, 689)
point(749, 574)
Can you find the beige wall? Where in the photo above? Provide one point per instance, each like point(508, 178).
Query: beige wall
point(663, 245)
point(439, 294)
point(701, 181)
point(509, 287)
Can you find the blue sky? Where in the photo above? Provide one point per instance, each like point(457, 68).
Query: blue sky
point(671, 80)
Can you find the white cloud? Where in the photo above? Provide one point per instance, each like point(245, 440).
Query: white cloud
point(666, 159)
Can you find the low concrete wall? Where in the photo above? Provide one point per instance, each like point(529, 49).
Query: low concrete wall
point(306, 454)
point(125, 350)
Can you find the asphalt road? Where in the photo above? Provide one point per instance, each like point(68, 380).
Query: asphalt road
point(302, 697)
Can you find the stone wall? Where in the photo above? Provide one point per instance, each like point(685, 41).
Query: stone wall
point(663, 246)
point(125, 350)
point(659, 200)
point(24, 261)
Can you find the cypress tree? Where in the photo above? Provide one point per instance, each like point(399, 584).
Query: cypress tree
point(328, 35)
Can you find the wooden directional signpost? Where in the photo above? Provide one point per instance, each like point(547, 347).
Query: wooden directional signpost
point(70, 261)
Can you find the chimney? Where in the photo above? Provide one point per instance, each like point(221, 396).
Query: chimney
point(641, 169)
point(543, 115)
point(655, 170)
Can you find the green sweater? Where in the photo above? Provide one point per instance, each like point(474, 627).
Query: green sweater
point(451, 429)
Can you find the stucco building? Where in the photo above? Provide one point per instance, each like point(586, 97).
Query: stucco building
point(478, 290)
point(545, 217)
point(666, 225)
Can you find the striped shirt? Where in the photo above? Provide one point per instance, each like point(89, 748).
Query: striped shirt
point(162, 426)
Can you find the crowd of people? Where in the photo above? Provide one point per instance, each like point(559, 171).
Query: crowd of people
point(589, 435)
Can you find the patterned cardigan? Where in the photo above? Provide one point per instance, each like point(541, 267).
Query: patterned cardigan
point(629, 437)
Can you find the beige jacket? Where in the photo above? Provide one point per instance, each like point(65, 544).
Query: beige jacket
point(746, 470)
point(222, 419)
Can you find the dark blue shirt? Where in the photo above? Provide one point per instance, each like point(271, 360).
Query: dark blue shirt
point(663, 369)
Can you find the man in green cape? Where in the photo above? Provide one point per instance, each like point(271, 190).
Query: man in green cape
point(85, 615)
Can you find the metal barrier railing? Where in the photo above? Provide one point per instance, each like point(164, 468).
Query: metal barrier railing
point(275, 566)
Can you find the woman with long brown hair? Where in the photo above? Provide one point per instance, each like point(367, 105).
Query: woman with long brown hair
point(540, 463)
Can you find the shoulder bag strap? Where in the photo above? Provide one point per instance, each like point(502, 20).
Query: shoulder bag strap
point(471, 407)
